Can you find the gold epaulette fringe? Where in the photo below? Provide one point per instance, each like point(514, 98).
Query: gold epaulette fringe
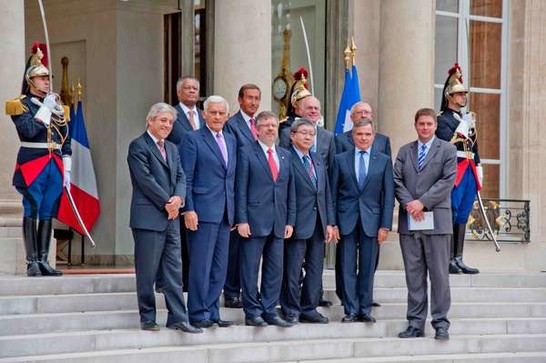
point(15, 107)
point(66, 112)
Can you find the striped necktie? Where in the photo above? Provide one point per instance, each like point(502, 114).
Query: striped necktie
point(422, 155)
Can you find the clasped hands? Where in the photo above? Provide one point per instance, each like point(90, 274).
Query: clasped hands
point(415, 209)
point(173, 207)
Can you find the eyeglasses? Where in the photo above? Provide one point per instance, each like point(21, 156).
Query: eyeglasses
point(305, 133)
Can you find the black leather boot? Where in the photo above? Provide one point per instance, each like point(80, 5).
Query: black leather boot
point(44, 241)
point(461, 229)
point(453, 268)
point(31, 246)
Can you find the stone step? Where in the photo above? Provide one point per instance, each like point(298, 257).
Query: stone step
point(48, 304)
point(84, 341)
point(532, 357)
point(78, 284)
point(303, 350)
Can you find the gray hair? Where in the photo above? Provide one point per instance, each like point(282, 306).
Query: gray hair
point(215, 99)
point(158, 108)
point(364, 122)
point(185, 78)
point(265, 115)
point(299, 123)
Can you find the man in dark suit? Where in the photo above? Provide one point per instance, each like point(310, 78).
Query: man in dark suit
point(266, 214)
point(189, 118)
point(158, 193)
point(323, 141)
point(314, 227)
point(344, 142)
point(424, 173)
point(242, 126)
point(209, 162)
point(363, 189)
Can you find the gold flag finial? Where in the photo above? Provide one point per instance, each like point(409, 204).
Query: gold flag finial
point(353, 50)
point(80, 90)
point(347, 56)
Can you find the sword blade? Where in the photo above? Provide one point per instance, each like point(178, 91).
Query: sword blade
point(78, 217)
point(487, 224)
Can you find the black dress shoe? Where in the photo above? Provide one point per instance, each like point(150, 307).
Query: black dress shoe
point(186, 327)
point(205, 323)
point(411, 332)
point(376, 304)
point(324, 303)
point(453, 268)
point(292, 319)
point(349, 318)
point(276, 320)
point(223, 323)
point(255, 321)
point(316, 318)
point(149, 326)
point(366, 318)
point(235, 303)
point(441, 334)
point(464, 268)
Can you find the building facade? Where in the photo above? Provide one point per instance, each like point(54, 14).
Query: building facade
point(128, 55)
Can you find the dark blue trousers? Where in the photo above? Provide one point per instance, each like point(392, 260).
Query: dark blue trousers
point(232, 287)
point(462, 197)
point(41, 198)
point(358, 254)
point(252, 250)
point(208, 252)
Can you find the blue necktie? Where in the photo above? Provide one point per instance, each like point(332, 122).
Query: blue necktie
point(308, 165)
point(421, 156)
point(361, 170)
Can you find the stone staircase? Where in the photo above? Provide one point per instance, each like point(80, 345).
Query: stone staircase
point(496, 317)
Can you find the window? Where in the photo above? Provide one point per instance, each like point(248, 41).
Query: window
point(474, 34)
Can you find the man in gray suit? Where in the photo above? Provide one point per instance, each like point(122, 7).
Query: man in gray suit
point(159, 189)
point(424, 173)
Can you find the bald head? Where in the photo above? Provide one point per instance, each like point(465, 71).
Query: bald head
point(310, 108)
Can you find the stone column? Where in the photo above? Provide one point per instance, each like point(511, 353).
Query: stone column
point(406, 65)
point(242, 49)
point(12, 68)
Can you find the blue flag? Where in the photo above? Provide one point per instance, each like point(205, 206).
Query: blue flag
point(350, 96)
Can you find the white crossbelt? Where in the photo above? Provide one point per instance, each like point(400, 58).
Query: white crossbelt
point(41, 145)
point(464, 154)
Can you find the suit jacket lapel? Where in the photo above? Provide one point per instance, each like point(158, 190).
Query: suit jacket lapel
point(262, 159)
point(155, 149)
point(431, 153)
point(244, 127)
point(351, 164)
point(213, 145)
point(372, 165)
point(300, 168)
point(413, 156)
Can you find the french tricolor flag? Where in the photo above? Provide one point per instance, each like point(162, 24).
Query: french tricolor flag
point(83, 183)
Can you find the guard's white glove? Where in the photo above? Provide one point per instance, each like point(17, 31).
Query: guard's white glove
point(67, 166)
point(479, 171)
point(44, 115)
point(50, 101)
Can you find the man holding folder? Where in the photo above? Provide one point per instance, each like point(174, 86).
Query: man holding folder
point(424, 173)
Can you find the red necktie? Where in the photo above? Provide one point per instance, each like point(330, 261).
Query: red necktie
point(272, 164)
point(253, 129)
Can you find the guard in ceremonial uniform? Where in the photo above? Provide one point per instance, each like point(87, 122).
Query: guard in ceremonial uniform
point(43, 161)
point(459, 128)
point(298, 92)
